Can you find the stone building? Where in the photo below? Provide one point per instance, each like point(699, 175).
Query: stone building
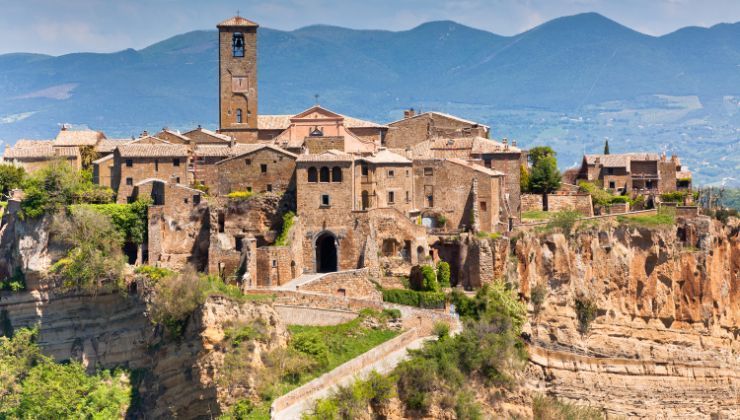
point(33, 155)
point(265, 168)
point(384, 180)
point(627, 173)
point(271, 126)
point(135, 162)
point(415, 128)
point(201, 136)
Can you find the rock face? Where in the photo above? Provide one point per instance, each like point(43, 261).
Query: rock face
point(664, 343)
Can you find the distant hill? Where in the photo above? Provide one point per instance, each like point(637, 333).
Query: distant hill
point(569, 82)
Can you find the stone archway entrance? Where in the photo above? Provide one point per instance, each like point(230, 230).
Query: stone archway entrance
point(326, 253)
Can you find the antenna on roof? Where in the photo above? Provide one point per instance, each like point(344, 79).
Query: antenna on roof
point(316, 98)
point(237, 12)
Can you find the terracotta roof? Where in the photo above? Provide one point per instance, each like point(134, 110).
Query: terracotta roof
point(210, 133)
point(109, 145)
point(482, 145)
point(78, 138)
point(281, 122)
point(102, 159)
point(683, 174)
point(443, 115)
point(237, 21)
point(153, 150)
point(386, 156)
point(475, 167)
point(174, 133)
point(621, 160)
point(332, 155)
point(31, 143)
point(39, 152)
point(243, 151)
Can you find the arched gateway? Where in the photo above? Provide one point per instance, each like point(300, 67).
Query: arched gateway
point(326, 253)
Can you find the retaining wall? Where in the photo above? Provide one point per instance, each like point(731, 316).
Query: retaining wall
point(298, 315)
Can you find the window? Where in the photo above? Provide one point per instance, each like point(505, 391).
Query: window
point(201, 159)
point(129, 162)
point(239, 115)
point(249, 189)
point(196, 199)
point(156, 165)
point(610, 171)
point(391, 173)
point(408, 196)
point(221, 222)
point(129, 181)
point(408, 173)
point(324, 174)
point(487, 163)
point(483, 206)
point(312, 174)
point(263, 168)
point(269, 187)
point(429, 194)
point(177, 180)
point(186, 200)
point(247, 162)
point(612, 185)
point(428, 171)
point(274, 263)
point(237, 44)
point(391, 197)
point(238, 242)
point(364, 170)
point(325, 200)
point(316, 132)
point(175, 162)
point(336, 174)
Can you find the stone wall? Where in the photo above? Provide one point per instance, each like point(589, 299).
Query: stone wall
point(531, 202)
point(352, 284)
point(320, 144)
point(274, 265)
point(573, 202)
point(168, 169)
point(618, 208)
point(318, 300)
point(298, 315)
point(260, 171)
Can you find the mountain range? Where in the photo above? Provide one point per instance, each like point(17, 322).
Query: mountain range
point(568, 83)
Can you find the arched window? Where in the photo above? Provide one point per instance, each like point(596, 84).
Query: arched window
point(336, 174)
point(239, 115)
point(312, 174)
point(237, 44)
point(324, 174)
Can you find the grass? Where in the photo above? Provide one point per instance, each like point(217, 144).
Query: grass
point(484, 235)
point(664, 217)
point(547, 408)
point(536, 215)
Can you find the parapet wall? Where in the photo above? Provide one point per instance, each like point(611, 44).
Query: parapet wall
point(349, 283)
point(579, 202)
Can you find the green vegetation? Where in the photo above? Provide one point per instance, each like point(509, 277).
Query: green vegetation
point(423, 278)
point(524, 178)
point(443, 273)
point(428, 300)
point(441, 220)
point(153, 273)
point(674, 197)
point(487, 235)
point(11, 177)
point(197, 185)
point(537, 296)
point(15, 283)
point(586, 312)
point(129, 219)
point(536, 215)
point(723, 215)
point(666, 216)
point(350, 402)
point(58, 185)
point(545, 177)
point(34, 386)
point(94, 259)
point(546, 408)
point(282, 239)
point(538, 153)
point(563, 221)
point(240, 195)
point(606, 147)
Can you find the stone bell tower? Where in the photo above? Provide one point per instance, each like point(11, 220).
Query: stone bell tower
point(237, 78)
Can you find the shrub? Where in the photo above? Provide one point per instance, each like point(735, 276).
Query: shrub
point(197, 185)
point(153, 273)
point(393, 313)
point(239, 195)
point(282, 239)
point(94, 257)
point(15, 283)
point(466, 408)
point(11, 177)
point(564, 220)
point(443, 273)
point(546, 408)
point(312, 345)
point(129, 219)
point(428, 300)
point(620, 199)
point(599, 196)
point(430, 279)
point(673, 197)
point(441, 330)
point(349, 402)
point(174, 298)
point(537, 297)
point(586, 312)
point(441, 220)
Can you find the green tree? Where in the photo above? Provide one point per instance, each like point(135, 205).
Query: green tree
point(443, 273)
point(523, 178)
point(606, 146)
point(11, 177)
point(545, 177)
point(537, 153)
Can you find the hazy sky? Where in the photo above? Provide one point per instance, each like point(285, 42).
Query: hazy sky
point(61, 26)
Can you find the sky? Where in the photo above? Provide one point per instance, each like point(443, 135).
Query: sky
point(63, 26)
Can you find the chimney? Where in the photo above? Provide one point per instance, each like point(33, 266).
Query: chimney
point(597, 160)
point(199, 127)
point(65, 127)
point(513, 143)
point(145, 133)
point(408, 113)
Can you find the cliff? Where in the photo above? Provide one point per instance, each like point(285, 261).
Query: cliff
point(664, 342)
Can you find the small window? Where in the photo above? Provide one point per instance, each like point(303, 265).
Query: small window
point(408, 196)
point(239, 116)
point(274, 263)
point(129, 181)
point(249, 189)
point(221, 222)
point(313, 175)
point(129, 162)
point(238, 242)
point(248, 161)
point(364, 170)
point(186, 200)
point(177, 180)
point(487, 163)
point(408, 173)
point(612, 185)
point(483, 206)
point(156, 165)
point(269, 187)
point(196, 199)
point(324, 174)
point(336, 174)
point(391, 173)
point(391, 197)
point(325, 200)
point(175, 162)
point(428, 171)
point(263, 168)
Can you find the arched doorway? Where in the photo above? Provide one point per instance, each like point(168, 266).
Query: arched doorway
point(326, 253)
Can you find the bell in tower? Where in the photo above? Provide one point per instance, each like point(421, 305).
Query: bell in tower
point(237, 44)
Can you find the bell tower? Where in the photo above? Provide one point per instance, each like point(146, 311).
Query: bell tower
point(237, 78)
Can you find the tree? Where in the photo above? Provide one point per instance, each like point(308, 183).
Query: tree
point(606, 146)
point(537, 153)
point(443, 273)
point(545, 177)
point(11, 177)
point(524, 178)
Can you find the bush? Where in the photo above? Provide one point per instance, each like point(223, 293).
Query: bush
point(282, 239)
point(430, 279)
point(349, 402)
point(586, 312)
point(599, 196)
point(239, 195)
point(537, 297)
point(11, 177)
point(466, 408)
point(441, 220)
point(545, 408)
point(129, 219)
point(673, 197)
point(94, 258)
point(153, 273)
point(620, 199)
point(311, 344)
point(564, 220)
point(443, 273)
point(393, 314)
point(174, 298)
point(428, 300)
point(441, 330)
point(16, 283)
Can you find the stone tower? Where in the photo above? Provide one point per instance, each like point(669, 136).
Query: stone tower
point(237, 78)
